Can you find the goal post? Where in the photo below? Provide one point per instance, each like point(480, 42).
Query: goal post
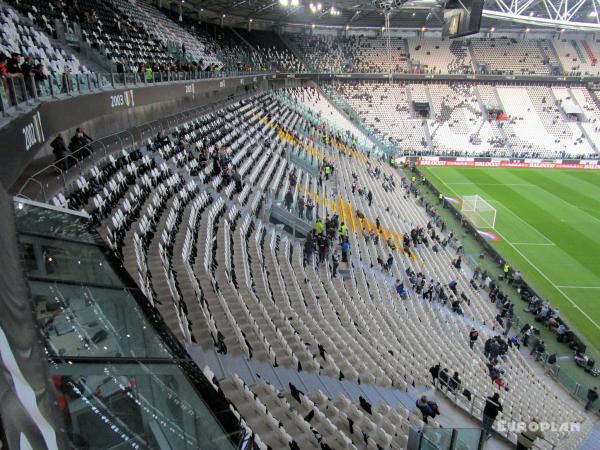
point(479, 212)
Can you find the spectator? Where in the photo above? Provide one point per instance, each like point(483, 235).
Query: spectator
point(400, 289)
point(592, 395)
point(309, 209)
point(473, 335)
point(301, 206)
point(38, 73)
point(335, 262)
point(345, 250)
point(27, 67)
point(444, 378)
point(4, 67)
point(3, 62)
point(427, 408)
point(13, 66)
point(454, 382)
point(288, 200)
point(490, 412)
point(79, 140)
point(60, 151)
point(452, 285)
point(434, 371)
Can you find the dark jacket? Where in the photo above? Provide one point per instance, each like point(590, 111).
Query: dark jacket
point(492, 407)
point(59, 148)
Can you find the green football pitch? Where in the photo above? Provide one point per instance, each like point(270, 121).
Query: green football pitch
point(548, 222)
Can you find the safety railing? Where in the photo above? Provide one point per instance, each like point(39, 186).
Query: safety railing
point(55, 177)
point(473, 404)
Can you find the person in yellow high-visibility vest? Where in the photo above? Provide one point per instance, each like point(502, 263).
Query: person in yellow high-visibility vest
point(440, 198)
point(319, 226)
point(343, 231)
point(506, 269)
point(413, 179)
point(327, 171)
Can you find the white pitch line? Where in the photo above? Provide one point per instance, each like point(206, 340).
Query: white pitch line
point(552, 283)
point(579, 287)
point(522, 220)
point(534, 243)
point(492, 184)
point(537, 269)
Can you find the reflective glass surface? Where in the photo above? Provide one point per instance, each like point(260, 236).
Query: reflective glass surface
point(79, 320)
point(139, 406)
point(120, 385)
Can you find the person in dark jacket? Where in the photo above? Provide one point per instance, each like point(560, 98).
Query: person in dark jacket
point(490, 412)
point(473, 335)
point(592, 395)
point(434, 371)
point(427, 408)
point(288, 200)
point(78, 141)
point(454, 382)
point(60, 151)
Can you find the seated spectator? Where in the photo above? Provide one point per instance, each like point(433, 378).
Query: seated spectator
point(454, 382)
point(427, 408)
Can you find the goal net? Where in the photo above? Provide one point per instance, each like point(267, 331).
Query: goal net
point(479, 212)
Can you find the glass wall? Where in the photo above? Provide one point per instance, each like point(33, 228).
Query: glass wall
point(451, 438)
point(120, 384)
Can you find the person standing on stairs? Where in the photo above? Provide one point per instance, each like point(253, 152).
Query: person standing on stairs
point(490, 412)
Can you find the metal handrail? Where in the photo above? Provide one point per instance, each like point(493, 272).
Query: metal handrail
point(182, 116)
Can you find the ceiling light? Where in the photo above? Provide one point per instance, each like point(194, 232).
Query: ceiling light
point(527, 30)
point(313, 25)
point(319, 7)
point(492, 29)
point(593, 14)
point(423, 28)
point(250, 20)
point(295, 2)
point(283, 2)
point(414, 14)
point(562, 30)
point(347, 27)
point(382, 29)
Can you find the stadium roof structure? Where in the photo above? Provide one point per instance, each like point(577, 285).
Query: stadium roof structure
point(581, 15)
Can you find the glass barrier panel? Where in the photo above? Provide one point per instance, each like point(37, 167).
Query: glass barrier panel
point(5, 92)
point(51, 223)
point(69, 261)
point(436, 439)
point(135, 405)
point(18, 86)
point(468, 438)
point(89, 321)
